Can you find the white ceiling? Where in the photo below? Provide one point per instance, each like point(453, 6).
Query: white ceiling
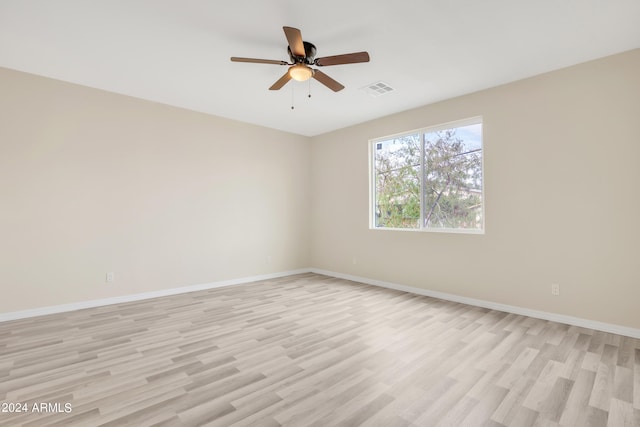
point(177, 52)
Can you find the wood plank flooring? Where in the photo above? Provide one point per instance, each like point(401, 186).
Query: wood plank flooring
point(310, 350)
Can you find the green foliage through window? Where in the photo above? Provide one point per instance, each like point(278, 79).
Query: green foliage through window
point(430, 179)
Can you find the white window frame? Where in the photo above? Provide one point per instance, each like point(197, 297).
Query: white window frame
point(372, 178)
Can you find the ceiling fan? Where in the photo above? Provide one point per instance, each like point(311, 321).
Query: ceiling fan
point(302, 55)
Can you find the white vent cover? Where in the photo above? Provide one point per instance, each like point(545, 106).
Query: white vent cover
point(377, 89)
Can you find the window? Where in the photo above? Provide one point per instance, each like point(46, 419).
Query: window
point(430, 179)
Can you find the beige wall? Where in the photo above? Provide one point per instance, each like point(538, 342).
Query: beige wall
point(92, 182)
point(562, 197)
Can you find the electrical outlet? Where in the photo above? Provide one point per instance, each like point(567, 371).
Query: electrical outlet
point(111, 277)
point(555, 289)
point(268, 259)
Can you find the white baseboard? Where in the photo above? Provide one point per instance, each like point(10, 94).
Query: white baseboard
point(4, 317)
point(560, 318)
point(554, 317)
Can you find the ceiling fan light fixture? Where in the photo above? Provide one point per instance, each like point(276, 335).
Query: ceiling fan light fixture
point(300, 72)
point(303, 54)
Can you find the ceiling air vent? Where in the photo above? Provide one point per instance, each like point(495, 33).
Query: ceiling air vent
point(377, 89)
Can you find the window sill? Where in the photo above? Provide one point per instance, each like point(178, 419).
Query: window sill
point(431, 230)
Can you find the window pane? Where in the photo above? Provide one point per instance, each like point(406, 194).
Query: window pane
point(430, 180)
point(453, 178)
point(397, 182)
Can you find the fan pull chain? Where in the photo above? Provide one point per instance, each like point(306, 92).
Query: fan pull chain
point(292, 107)
point(309, 88)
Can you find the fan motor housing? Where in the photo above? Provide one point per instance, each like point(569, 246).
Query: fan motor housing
point(309, 52)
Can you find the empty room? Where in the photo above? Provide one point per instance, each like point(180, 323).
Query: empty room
point(285, 213)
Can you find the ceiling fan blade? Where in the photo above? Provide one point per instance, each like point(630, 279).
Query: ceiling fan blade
point(259, 61)
point(348, 58)
point(294, 37)
point(281, 81)
point(327, 81)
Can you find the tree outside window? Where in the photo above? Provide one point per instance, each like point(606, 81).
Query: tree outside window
point(430, 179)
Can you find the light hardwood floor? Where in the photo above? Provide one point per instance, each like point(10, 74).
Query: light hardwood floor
point(310, 350)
